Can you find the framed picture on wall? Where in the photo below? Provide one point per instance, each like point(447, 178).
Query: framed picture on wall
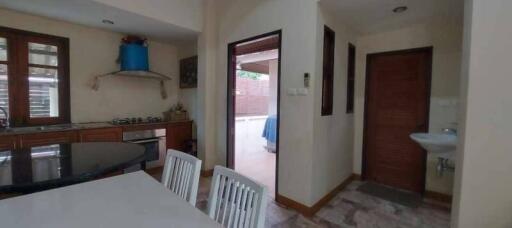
point(188, 73)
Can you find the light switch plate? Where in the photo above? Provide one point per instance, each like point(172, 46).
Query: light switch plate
point(302, 91)
point(292, 91)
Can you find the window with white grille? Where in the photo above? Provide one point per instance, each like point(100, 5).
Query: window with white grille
point(43, 80)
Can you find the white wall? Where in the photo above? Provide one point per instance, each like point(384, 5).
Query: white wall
point(333, 145)
point(188, 96)
point(206, 86)
point(315, 152)
point(184, 13)
point(484, 163)
point(93, 52)
point(446, 39)
point(297, 18)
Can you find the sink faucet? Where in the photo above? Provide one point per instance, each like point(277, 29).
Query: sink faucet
point(450, 131)
point(6, 117)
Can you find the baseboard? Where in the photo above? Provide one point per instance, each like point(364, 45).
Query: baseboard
point(289, 203)
point(437, 196)
point(311, 211)
point(207, 173)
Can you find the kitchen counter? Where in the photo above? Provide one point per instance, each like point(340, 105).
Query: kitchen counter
point(52, 128)
point(38, 129)
point(74, 127)
point(178, 134)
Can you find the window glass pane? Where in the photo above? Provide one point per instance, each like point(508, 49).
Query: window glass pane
point(43, 92)
point(3, 49)
point(42, 54)
point(4, 89)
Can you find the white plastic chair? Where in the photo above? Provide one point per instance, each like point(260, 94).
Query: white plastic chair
point(181, 175)
point(236, 201)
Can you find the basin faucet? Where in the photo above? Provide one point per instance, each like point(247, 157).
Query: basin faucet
point(450, 131)
point(6, 117)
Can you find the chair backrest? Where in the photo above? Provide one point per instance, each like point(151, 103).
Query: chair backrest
point(236, 201)
point(181, 174)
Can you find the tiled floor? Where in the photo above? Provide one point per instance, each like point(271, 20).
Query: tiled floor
point(350, 208)
point(251, 158)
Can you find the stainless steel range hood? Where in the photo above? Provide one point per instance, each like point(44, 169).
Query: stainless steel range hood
point(136, 74)
point(133, 58)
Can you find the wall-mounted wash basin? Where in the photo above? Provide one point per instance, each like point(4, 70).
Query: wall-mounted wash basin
point(443, 145)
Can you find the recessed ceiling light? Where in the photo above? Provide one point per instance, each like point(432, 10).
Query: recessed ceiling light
point(400, 9)
point(108, 22)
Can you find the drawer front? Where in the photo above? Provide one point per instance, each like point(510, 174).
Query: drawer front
point(101, 135)
point(47, 138)
point(8, 142)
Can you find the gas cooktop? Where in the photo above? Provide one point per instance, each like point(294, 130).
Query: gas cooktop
point(136, 120)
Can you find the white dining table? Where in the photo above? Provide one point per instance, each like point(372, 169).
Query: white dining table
point(124, 201)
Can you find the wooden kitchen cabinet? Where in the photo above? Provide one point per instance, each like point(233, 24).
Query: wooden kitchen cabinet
point(47, 138)
point(178, 134)
point(8, 142)
point(114, 134)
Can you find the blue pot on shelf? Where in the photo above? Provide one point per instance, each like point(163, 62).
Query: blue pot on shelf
point(134, 57)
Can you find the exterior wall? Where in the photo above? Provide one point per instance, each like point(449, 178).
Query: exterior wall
point(446, 39)
point(94, 52)
point(252, 97)
point(484, 164)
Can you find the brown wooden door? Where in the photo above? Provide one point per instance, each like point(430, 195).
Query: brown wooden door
point(397, 104)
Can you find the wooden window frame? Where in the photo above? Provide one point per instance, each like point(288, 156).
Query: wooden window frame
point(328, 71)
point(17, 71)
point(10, 70)
point(351, 77)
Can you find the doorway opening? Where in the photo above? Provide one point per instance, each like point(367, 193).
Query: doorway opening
point(253, 108)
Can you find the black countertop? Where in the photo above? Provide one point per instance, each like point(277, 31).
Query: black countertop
point(45, 167)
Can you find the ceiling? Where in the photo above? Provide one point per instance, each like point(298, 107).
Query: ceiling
point(365, 16)
point(261, 67)
point(257, 62)
point(258, 56)
point(372, 16)
point(91, 13)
